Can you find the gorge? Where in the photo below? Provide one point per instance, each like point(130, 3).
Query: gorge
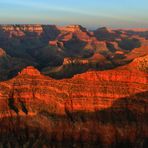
point(71, 87)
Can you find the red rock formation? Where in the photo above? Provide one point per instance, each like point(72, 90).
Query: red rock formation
point(48, 45)
point(19, 29)
point(94, 109)
point(31, 71)
point(76, 30)
point(105, 103)
point(72, 28)
point(2, 53)
point(93, 86)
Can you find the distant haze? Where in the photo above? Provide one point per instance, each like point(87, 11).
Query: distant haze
point(89, 13)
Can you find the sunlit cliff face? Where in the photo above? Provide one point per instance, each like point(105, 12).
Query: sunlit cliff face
point(69, 87)
point(103, 102)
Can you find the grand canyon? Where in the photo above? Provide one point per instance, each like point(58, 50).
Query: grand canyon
point(70, 87)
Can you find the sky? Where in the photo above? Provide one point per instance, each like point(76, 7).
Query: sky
point(89, 13)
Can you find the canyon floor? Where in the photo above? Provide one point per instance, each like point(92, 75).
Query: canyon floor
point(68, 87)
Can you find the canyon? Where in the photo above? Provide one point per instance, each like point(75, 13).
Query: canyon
point(54, 49)
point(71, 87)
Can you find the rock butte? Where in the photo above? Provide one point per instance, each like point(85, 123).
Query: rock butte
point(31, 71)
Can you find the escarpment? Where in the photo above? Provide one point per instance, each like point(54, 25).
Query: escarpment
point(69, 87)
point(107, 103)
point(90, 91)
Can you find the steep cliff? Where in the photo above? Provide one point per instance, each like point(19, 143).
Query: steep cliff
point(103, 106)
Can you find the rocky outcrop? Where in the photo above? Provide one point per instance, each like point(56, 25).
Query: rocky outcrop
point(73, 28)
point(141, 64)
point(103, 105)
point(2, 53)
point(81, 91)
point(19, 29)
point(68, 32)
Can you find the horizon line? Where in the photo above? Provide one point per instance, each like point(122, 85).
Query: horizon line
point(46, 24)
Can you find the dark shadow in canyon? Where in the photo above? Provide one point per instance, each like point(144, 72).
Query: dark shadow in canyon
point(33, 49)
point(129, 44)
point(103, 34)
point(50, 32)
point(124, 125)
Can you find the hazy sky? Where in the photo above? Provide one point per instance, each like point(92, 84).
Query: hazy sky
point(90, 13)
